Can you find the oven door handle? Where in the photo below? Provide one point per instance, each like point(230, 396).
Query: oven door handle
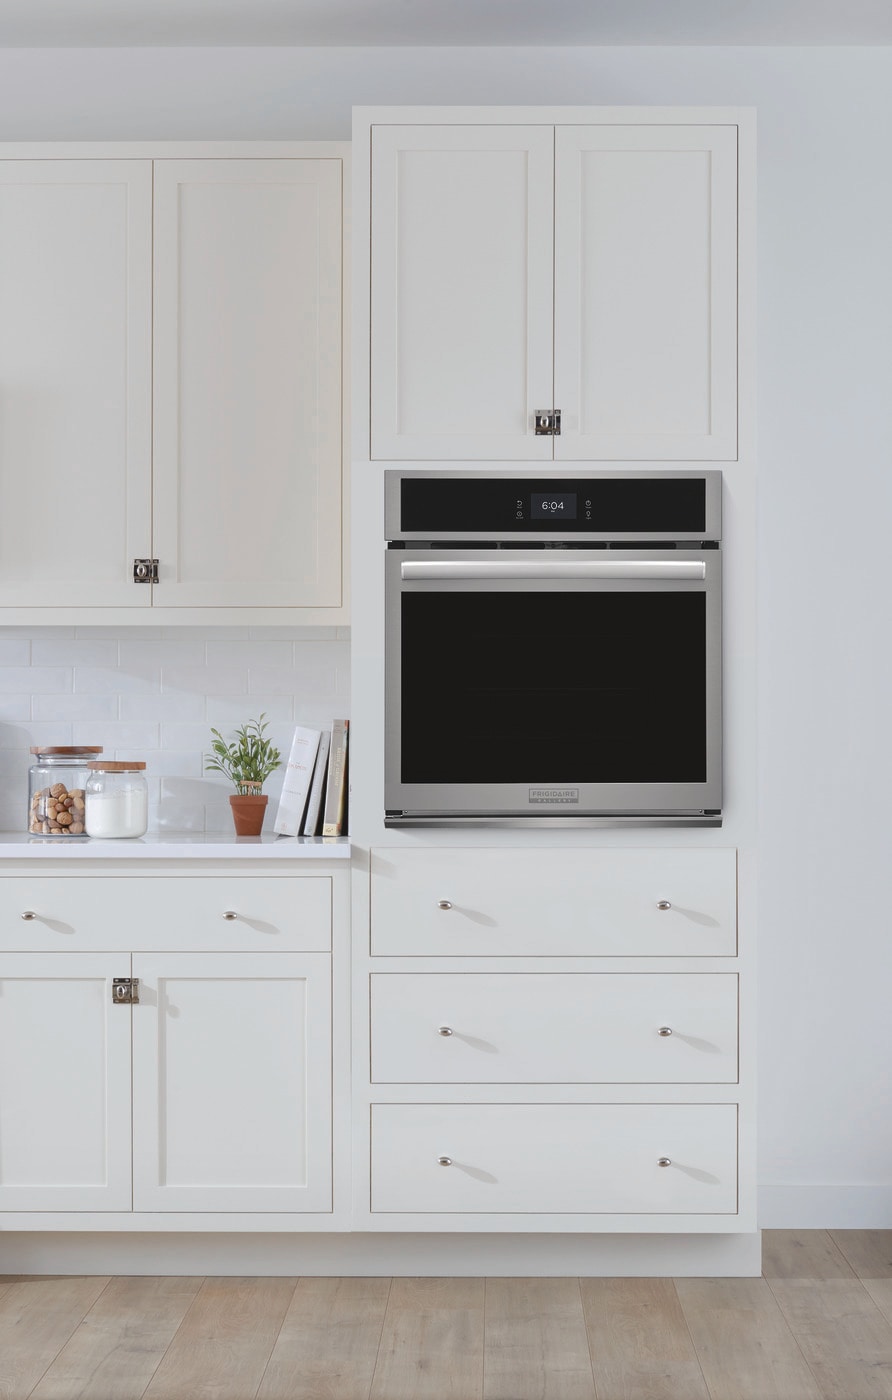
point(676, 569)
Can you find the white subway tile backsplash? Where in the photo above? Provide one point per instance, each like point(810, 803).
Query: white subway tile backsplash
point(39, 680)
point(153, 694)
point(54, 652)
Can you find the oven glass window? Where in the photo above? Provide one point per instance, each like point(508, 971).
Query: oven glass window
point(554, 688)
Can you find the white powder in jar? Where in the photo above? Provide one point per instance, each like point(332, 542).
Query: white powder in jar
point(112, 814)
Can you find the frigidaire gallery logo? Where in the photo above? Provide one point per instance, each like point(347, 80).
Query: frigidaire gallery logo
point(554, 794)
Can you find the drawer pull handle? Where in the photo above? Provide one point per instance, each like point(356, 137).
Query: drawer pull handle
point(664, 1030)
point(444, 1030)
point(663, 904)
point(230, 914)
point(444, 903)
point(664, 1161)
point(29, 914)
point(445, 1161)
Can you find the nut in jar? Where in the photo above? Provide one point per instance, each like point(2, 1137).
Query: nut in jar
point(56, 811)
point(57, 790)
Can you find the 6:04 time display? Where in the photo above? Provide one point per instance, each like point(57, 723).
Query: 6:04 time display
point(558, 505)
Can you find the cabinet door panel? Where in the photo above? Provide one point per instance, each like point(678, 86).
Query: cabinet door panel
point(248, 382)
point(232, 1082)
point(75, 381)
point(646, 293)
point(64, 1083)
point(462, 245)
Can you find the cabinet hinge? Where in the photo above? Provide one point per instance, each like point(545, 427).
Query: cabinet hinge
point(145, 571)
point(548, 422)
point(125, 991)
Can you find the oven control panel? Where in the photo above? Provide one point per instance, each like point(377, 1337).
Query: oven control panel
point(608, 506)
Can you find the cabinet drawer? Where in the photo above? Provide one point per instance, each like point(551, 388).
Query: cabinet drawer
point(569, 1159)
point(504, 903)
point(543, 1028)
point(113, 912)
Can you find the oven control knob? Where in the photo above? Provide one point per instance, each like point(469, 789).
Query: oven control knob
point(663, 904)
point(444, 903)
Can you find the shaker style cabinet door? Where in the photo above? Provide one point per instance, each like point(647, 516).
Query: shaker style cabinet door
point(232, 1082)
point(646, 293)
point(247, 382)
point(64, 1083)
point(75, 382)
point(461, 292)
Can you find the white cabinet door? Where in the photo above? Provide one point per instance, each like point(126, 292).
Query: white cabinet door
point(64, 1083)
point(232, 1082)
point(75, 382)
point(646, 292)
point(247, 382)
point(462, 248)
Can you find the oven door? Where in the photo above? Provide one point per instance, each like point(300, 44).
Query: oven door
point(549, 683)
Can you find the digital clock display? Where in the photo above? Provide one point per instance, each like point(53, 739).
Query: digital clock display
point(557, 505)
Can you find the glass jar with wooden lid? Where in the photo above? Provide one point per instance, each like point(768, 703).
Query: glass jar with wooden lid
point(57, 782)
point(117, 799)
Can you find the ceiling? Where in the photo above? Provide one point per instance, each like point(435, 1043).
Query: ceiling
point(477, 23)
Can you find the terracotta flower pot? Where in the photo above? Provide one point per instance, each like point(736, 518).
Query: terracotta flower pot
point(248, 813)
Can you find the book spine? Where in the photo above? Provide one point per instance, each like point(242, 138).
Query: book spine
point(336, 791)
point(298, 772)
point(320, 772)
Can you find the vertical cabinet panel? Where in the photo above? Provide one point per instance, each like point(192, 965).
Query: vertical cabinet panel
point(646, 292)
point(75, 381)
point(247, 383)
point(232, 1082)
point(64, 1083)
point(462, 239)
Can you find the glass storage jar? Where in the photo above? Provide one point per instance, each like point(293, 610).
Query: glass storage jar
point(56, 785)
point(117, 799)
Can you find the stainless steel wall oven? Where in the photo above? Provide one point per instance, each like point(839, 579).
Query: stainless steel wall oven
point(553, 648)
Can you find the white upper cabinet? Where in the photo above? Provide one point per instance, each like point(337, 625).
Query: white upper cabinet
point(588, 269)
point(645, 292)
point(247, 383)
point(75, 381)
point(462, 256)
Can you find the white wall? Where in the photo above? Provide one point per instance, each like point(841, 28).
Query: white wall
point(153, 695)
point(825, 375)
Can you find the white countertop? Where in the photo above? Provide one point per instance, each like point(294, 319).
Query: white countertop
point(175, 845)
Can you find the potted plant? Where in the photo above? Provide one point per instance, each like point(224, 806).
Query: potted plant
point(247, 762)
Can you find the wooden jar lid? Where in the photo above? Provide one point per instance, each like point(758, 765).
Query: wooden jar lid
point(69, 750)
point(107, 766)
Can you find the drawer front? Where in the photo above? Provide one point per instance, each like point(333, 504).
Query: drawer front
point(114, 912)
point(554, 1028)
point(605, 903)
point(566, 1159)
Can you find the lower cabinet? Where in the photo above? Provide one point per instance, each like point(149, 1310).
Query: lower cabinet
point(229, 1059)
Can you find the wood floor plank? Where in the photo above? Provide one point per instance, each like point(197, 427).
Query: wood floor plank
point(535, 1341)
point(641, 1348)
point(803, 1254)
point(225, 1341)
point(328, 1345)
point(37, 1316)
point(115, 1351)
point(745, 1348)
point(868, 1251)
point(842, 1334)
point(880, 1290)
point(432, 1342)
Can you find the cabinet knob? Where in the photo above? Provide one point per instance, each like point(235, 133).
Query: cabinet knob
point(663, 904)
point(444, 903)
point(445, 1161)
point(230, 914)
point(664, 1161)
point(444, 1030)
point(29, 914)
point(664, 1030)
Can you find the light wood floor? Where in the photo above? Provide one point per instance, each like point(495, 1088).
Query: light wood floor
point(816, 1326)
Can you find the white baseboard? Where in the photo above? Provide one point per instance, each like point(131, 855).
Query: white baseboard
point(862, 1207)
point(361, 1256)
